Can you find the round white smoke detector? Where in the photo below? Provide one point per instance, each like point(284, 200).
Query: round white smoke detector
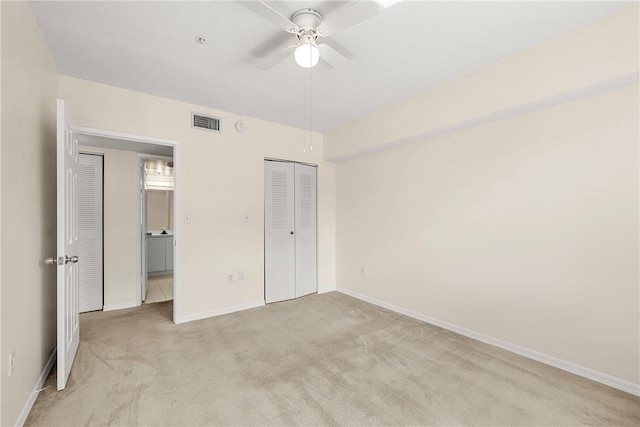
point(240, 126)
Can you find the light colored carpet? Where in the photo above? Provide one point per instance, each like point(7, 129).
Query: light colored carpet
point(321, 360)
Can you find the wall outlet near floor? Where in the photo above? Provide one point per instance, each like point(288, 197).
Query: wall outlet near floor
point(230, 277)
point(12, 363)
point(240, 275)
point(362, 269)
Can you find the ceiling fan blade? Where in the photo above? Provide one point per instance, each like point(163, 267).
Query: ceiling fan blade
point(353, 13)
point(268, 44)
point(339, 48)
point(272, 59)
point(334, 53)
point(332, 56)
point(266, 11)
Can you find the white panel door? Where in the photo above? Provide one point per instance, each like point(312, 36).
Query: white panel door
point(279, 232)
point(305, 229)
point(67, 245)
point(90, 231)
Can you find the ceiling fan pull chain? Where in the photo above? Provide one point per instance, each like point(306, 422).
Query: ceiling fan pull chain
point(304, 112)
point(310, 108)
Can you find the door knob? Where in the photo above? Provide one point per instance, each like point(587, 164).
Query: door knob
point(292, 232)
point(71, 259)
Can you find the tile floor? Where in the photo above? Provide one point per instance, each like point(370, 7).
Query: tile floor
point(159, 288)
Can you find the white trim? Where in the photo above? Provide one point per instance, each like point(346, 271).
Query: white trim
point(573, 95)
point(36, 390)
point(177, 233)
point(140, 212)
point(325, 290)
point(219, 312)
point(273, 159)
point(121, 306)
point(599, 377)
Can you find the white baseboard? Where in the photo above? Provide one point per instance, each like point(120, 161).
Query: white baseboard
point(36, 390)
point(121, 306)
point(219, 312)
point(600, 377)
point(326, 290)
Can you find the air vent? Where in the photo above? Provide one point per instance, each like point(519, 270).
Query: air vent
point(205, 122)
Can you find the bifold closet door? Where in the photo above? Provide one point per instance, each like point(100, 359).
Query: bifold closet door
point(90, 231)
point(305, 229)
point(279, 231)
point(290, 230)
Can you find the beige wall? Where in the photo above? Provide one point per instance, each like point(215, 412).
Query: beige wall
point(600, 54)
point(220, 180)
point(120, 227)
point(29, 90)
point(524, 228)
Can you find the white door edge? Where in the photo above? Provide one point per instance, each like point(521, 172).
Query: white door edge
point(67, 321)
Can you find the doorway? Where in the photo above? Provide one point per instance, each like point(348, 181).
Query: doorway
point(157, 187)
point(135, 278)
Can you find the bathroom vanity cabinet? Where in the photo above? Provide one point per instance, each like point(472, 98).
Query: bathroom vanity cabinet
point(159, 254)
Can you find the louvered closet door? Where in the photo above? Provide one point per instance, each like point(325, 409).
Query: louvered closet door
point(305, 229)
point(279, 228)
point(90, 231)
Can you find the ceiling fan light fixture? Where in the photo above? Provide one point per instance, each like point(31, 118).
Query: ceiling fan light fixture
point(307, 54)
point(387, 3)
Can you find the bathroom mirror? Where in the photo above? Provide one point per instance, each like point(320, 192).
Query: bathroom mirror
point(159, 210)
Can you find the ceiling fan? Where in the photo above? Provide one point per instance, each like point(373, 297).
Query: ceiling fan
point(307, 26)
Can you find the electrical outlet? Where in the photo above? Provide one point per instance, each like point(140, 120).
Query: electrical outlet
point(362, 270)
point(12, 363)
point(240, 275)
point(230, 277)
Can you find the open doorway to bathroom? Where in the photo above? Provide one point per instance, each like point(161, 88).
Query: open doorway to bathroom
point(157, 207)
point(124, 238)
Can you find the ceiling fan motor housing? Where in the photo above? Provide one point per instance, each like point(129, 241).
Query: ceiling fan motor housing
point(307, 20)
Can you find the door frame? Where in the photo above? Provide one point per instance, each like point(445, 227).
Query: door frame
point(142, 224)
point(177, 229)
point(264, 240)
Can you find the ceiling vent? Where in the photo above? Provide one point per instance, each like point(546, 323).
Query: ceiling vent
point(201, 121)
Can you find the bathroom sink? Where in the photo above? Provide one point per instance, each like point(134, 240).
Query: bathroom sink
point(155, 233)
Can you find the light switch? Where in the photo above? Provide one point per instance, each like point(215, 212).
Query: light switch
point(187, 218)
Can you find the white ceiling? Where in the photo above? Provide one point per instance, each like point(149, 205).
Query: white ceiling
point(150, 47)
